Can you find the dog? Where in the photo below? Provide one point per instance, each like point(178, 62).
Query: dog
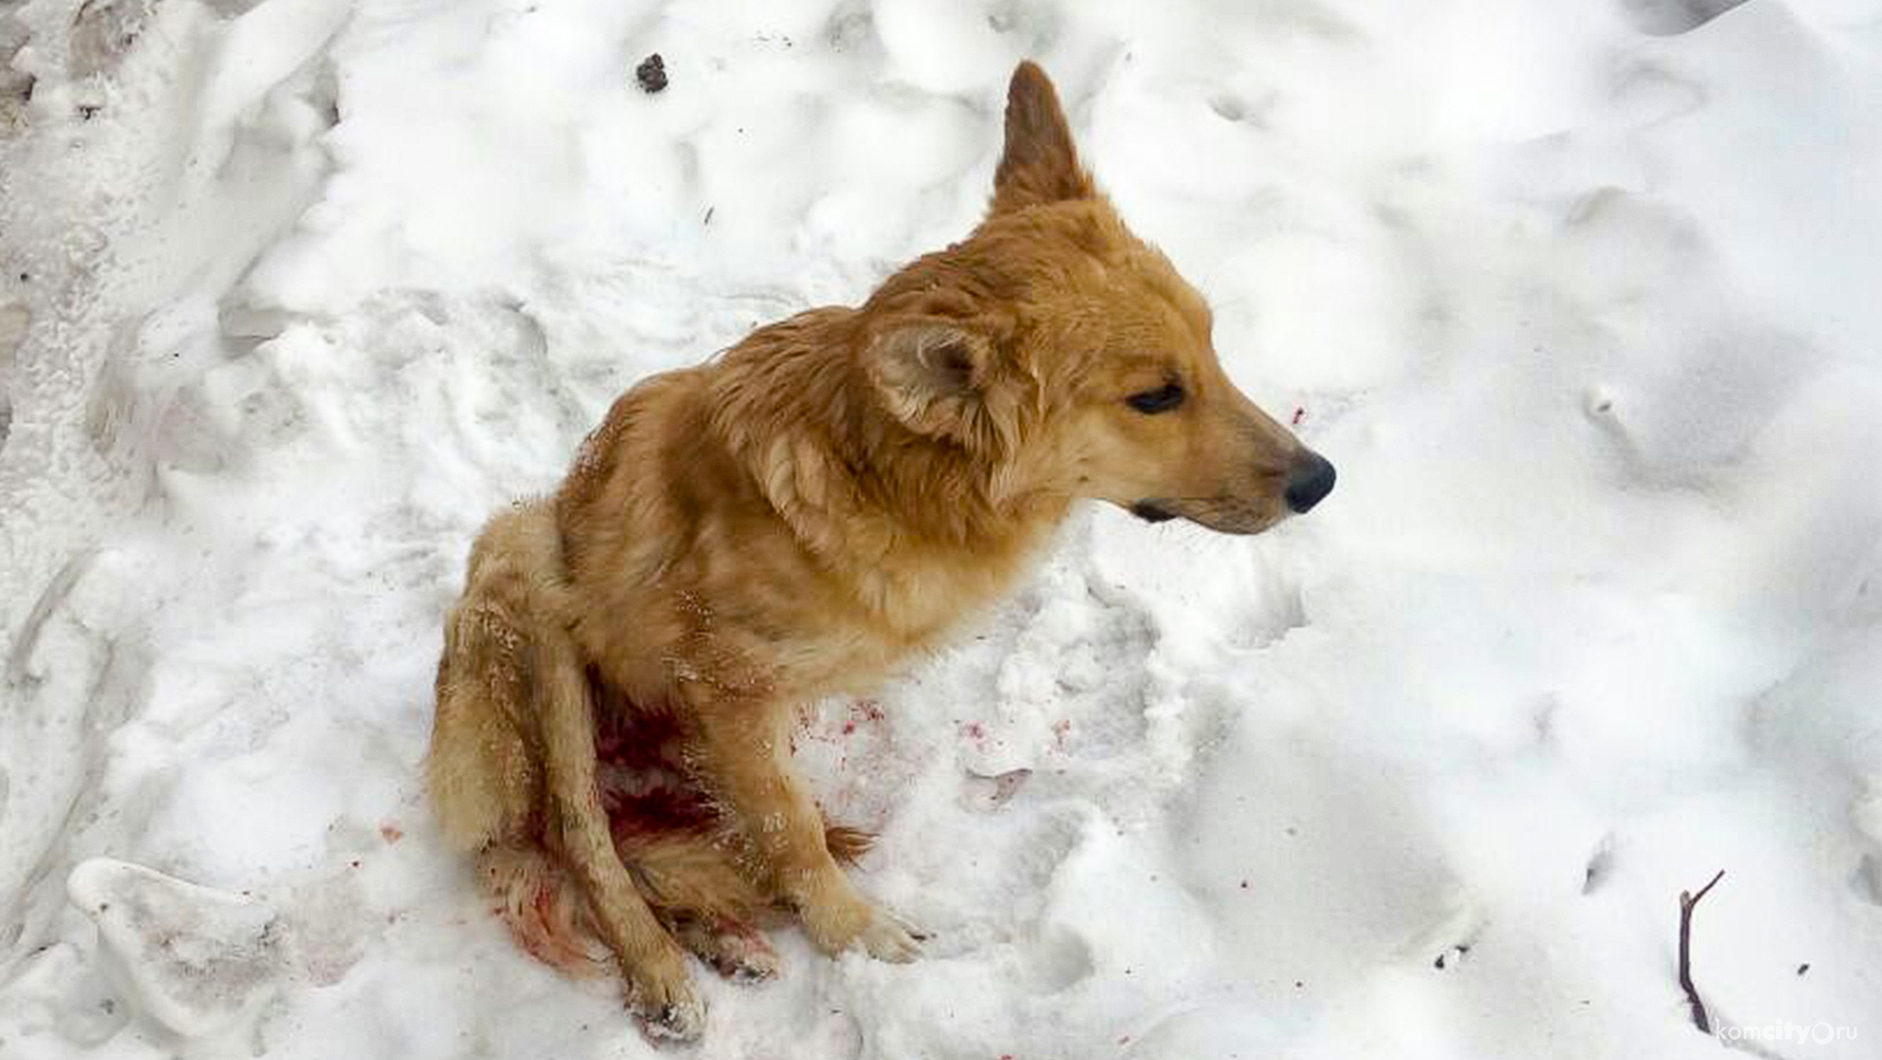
point(795, 518)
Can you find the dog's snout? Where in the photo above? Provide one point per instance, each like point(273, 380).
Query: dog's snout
point(1308, 481)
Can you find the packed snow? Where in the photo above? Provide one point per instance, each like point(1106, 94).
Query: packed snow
point(1581, 298)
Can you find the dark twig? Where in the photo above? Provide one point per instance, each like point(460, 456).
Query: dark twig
point(1686, 903)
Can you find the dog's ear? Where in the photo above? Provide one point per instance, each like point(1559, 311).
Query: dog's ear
point(933, 375)
point(1039, 164)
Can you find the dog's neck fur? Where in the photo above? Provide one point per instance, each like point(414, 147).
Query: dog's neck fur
point(832, 450)
point(795, 408)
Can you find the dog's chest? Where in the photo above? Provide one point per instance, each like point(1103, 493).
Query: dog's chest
point(911, 606)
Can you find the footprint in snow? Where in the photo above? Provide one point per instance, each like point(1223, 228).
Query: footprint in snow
point(193, 959)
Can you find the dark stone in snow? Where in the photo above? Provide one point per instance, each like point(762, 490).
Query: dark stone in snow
point(651, 73)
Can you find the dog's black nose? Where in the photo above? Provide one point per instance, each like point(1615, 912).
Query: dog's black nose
point(1308, 482)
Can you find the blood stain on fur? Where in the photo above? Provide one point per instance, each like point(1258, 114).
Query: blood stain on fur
point(645, 787)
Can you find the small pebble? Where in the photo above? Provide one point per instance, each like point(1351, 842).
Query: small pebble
point(652, 73)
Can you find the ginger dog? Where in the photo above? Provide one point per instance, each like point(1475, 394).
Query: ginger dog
point(796, 518)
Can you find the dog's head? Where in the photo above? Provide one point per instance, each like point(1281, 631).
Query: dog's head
point(1069, 353)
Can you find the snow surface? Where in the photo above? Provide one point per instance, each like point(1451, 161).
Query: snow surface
point(1581, 298)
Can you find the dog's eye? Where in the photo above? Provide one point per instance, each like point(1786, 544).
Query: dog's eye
point(1162, 399)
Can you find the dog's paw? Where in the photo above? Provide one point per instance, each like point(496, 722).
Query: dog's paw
point(888, 937)
point(680, 1021)
point(841, 918)
point(733, 948)
point(750, 966)
point(668, 1010)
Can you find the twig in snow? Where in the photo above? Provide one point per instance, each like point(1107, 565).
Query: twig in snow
point(1686, 903)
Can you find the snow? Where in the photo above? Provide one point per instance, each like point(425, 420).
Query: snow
point(1580, 298)
point(194, 959)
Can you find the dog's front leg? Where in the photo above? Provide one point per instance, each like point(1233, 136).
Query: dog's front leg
point(659, 990)
point(744, 751)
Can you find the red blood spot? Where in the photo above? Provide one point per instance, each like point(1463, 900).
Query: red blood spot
point(861, 711)
point(1299, 415)
point(646, 788)
point(976, 730)
point(391, 832)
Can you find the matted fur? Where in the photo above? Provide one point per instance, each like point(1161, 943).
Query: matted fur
point(794, 518)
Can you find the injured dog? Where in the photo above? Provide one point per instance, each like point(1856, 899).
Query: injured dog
point(796, 518)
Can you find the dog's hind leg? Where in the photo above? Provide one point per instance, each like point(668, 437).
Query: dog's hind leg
point(735, 949)
point(543, 907)
point(659, 989)
point(482, 774)
point(711, 907)
point(512, 772)
point(693, 881)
